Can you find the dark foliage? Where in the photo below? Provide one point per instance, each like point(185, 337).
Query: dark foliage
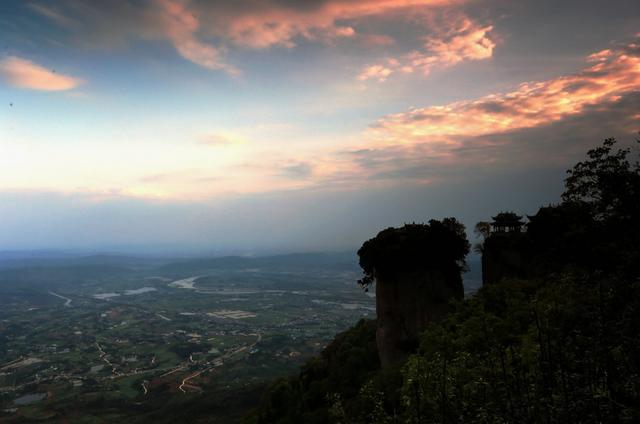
point(554, 340)
point(608, 183)
point(185, 349)
point(414, 247)
point(563, 349)
point(596, 227)
point(327, 384)
point(559, 350)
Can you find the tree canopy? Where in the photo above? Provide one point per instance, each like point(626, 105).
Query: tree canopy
point(607, 182)
point(601, 208)
point(596, 226)
point(414, 247)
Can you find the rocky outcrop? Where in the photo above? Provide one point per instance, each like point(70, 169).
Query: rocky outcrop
point(407, 303)
point(417, 272)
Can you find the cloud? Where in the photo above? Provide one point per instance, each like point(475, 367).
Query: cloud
point(378, 72)
point(119, 21)
point(378, 40)
point(295, 171)
point(220, 139)
point(180, 25)
point(202, 31)
point(465, 41)
point(548, 123)
point(53, 14)
point(270, 23)
point(611, 74)
point(551, 146)
point(23, 73)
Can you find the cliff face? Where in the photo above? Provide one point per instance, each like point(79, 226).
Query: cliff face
point(406, 303)
point(416, 269)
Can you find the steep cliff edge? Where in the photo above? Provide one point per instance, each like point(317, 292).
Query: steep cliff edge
point(406, 304)
point(417, 273)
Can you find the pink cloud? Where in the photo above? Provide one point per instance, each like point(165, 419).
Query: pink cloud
point(180, 25)
point(378, 72)
point(23, 73)
point(611, 74)
point(273, 24)
point(200, 31)
point(379, 40)
point(466, 41)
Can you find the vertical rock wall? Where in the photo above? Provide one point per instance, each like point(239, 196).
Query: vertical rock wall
point(406, 303)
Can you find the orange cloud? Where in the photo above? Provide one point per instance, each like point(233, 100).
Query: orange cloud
point(23, 73)
point(465, 42)
point(611, 74)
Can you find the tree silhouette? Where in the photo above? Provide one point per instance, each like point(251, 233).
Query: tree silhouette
point(608, 183)
point(481, 230)
point(606, 186)
point(414, 247)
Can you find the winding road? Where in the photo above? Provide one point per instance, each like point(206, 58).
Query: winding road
point(215, 363)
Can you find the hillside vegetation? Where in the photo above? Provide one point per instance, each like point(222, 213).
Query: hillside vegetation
point(551, 337)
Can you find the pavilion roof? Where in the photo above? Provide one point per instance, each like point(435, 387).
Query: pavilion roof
point(507, 218)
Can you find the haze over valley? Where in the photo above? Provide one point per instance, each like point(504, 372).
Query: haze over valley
point(319, 211)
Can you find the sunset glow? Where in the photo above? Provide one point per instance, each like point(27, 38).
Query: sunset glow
point(186, 102)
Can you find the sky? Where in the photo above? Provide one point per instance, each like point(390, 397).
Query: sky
point(282, 125)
